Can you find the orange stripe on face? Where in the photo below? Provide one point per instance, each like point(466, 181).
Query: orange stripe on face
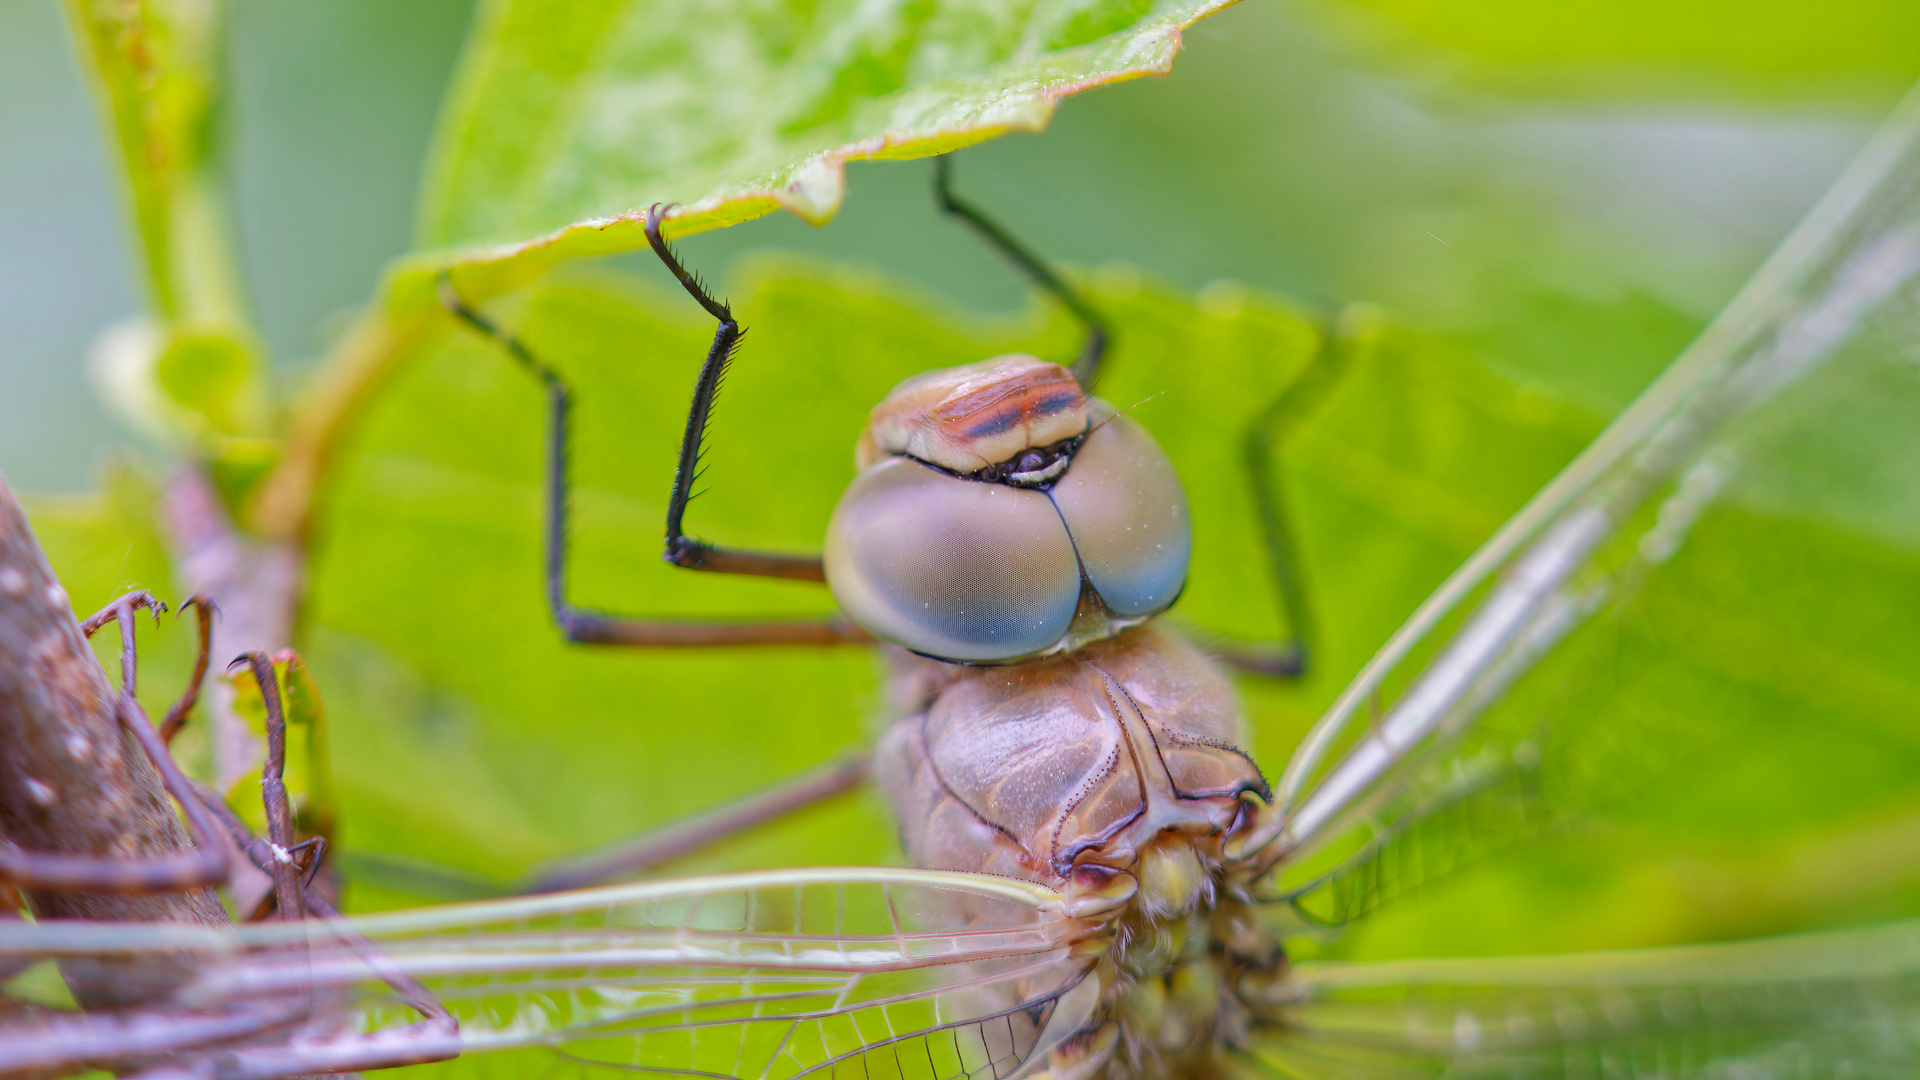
point(1030, 393)
point(970, 417)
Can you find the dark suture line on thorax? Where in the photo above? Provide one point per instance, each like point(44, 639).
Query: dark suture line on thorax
point(1178, 738)
point(1126, 740)
point(1181, 738)
point(1087, 787)
point(1115, 684)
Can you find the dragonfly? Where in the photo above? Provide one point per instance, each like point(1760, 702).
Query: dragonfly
point(1106, 883)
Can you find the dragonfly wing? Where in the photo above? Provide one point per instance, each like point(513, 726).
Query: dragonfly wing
point(1597, 645)
point(775, 974)
point(1440, 818)
point(1835, 1003)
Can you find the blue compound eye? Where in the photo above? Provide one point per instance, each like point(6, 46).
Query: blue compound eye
point(951, 568)
point(1127, 513)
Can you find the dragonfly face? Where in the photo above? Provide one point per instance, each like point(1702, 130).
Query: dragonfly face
point(1000, 515)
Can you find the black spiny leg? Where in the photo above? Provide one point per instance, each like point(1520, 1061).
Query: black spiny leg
point(1275, 425)
point(587, 626)
point(683, 550)
point(1087, 367)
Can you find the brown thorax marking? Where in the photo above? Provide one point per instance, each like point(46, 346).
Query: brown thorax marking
point(1171, 848)
point(1127, 832)
point(971, 418)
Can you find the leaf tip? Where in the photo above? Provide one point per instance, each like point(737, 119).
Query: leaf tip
point(817, 188)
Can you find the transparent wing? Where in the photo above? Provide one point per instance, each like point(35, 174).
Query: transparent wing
point(1739, 539)
point(775, 974)
point(1440, 818)
point(1837, 1003)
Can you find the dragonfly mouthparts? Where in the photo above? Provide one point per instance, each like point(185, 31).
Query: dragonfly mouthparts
point(1036, 477)
point(1033, 467)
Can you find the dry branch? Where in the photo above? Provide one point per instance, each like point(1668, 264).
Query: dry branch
point(71, 780)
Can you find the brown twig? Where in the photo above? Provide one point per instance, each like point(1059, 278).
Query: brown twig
point(208, 864)
point(74, 782)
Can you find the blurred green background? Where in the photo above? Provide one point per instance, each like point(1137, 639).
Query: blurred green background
point(1569, 191)
point(1549, 202)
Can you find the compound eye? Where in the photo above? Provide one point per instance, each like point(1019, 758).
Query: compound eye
point(1127, 513)
point(951, 568)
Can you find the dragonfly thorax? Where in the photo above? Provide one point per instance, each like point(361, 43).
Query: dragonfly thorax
point(1122, 758)
point(1001, 515)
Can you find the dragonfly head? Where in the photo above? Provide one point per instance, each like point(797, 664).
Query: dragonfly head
point(1001, 515)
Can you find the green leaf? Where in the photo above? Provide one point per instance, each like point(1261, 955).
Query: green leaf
point(157, 66)
point(432, 637)
point(1645, 48)
point(565, 124)
point(195, 378)
point(209, 374)
point(1715, 750)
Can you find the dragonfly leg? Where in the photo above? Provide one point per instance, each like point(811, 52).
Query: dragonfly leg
point(683, 550)
point(204, 609)
point(308, 855)
point(121, 610)
point(1261, 447)
point(1094, 345)
point(627, 857)
point(58, 872)
point(689, 835)
point(273, 788)
point(590, 627)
